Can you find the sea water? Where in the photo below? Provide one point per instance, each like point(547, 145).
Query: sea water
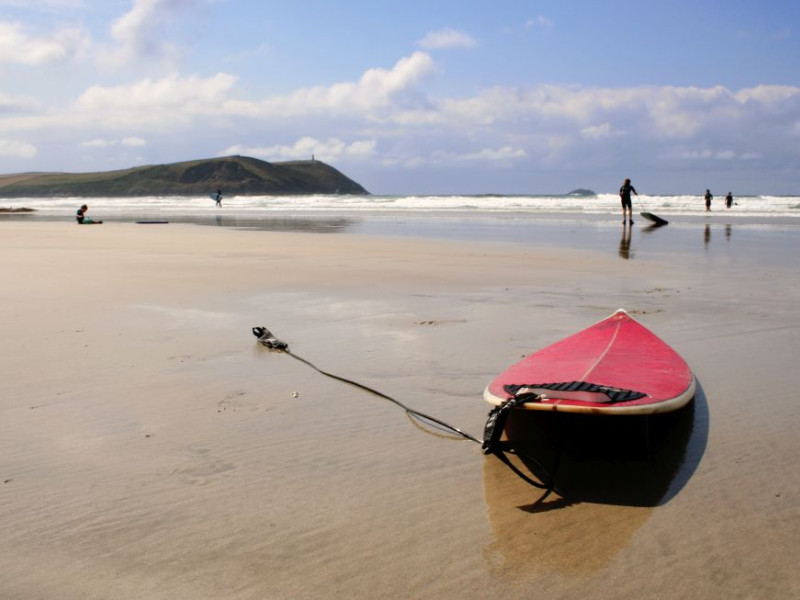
point(758, 230)
point(599, 205)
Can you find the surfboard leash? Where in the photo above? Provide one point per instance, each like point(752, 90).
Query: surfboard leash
point(493, 429)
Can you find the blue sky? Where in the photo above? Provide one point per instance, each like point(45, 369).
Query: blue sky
point(413, 97)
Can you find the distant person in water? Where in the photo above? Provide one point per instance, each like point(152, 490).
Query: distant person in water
point(708, 198)
point(625, 197)
point(82, 219)
point(219, 198)
point(729, 200)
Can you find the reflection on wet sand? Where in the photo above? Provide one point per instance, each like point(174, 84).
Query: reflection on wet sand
point(611, 473)
point(307, 224)
point(707, 234)
point(296, 224)
point(625, 243)
point(652, 227)
point(625, 250)
point(580, 539)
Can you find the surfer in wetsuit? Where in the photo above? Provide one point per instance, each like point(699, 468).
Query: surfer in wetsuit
point(219, 198)
point(729, 200)
point(708, 197)
point(625, 197)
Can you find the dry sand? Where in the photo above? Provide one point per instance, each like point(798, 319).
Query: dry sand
point(149, 448)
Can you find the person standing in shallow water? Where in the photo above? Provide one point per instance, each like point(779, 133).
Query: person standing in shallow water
point(729, 200)
point(708, 197)
point(625, 197)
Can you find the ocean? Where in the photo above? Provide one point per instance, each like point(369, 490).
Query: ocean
point(757, 230)
point(595, 206)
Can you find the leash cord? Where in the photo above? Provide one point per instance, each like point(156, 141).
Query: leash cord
point(267, 339)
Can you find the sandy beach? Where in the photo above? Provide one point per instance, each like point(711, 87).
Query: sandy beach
point(151, 449)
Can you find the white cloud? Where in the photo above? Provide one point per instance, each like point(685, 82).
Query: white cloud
point(104, 143)
point(503, 154)
point(45, 4)
point(16, 149)
point(545, 103)
point(132, 29)
point(769, 94)
point(540, 22)
point(306, 147)
point(157, 102)
point(709, 154)
point(597, 132)
point(104, 114)
point(391, 103)
point(139, 31)
point(99, 143)
point(17, 47)
point(388, 116)
point(138, 34)
point(376, 89)
point(655, 112)
point(18, 104)
point(447, 38)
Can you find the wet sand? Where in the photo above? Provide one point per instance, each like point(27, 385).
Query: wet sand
point(151, 449)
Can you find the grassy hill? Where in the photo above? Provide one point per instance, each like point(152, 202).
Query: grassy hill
point(234, 175)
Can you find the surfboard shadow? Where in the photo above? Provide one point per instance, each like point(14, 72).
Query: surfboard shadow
point(619, 460)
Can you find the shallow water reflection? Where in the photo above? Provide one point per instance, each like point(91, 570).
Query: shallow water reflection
point(612, 473)
point(289, 223)
point(297, 224)
point(625, 243)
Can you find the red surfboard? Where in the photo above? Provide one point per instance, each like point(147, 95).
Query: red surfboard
point(616, 366)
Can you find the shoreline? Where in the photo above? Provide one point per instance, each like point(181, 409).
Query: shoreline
point(723, 236)
point(153, 449)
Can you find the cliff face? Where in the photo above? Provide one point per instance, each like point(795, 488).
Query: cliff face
point(234, 175)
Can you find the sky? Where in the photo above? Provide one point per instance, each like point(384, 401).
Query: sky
point(414, 97)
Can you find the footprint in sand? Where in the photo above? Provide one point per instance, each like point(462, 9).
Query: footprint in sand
point(437, 322)
point(204, 468)
point(232, 402)
point(236, 401)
